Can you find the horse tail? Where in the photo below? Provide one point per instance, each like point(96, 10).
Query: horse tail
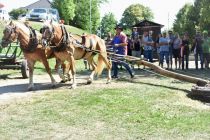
point(102, 57)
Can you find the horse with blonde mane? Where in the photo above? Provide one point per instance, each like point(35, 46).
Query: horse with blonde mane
point(29, 43)
point(55, 33)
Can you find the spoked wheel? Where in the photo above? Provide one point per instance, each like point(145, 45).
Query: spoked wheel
point(24, 69)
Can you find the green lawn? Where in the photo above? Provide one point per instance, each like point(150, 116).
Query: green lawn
point(150, 107)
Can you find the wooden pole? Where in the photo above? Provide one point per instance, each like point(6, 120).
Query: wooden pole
point(159, 70)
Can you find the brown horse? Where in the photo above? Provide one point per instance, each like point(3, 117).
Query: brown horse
point(54, 34)
point(29, 44)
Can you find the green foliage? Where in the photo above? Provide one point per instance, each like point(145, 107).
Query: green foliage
point(108, 24)
point(66, 9)
point(82, 17)
point(184, 22)
point(16, 12)
point(135, 13)
point(193, 17)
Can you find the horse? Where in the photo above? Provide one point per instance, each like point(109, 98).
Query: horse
point(54, 33)
point(32, 50)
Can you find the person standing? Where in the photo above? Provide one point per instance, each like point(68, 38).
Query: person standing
point(164, 49)
point(157, 46)
point(135, 33)
point(136, 47)
point(119, 43)
point(197, 49)
point(185, 50)
point(148, 46)
point(176, 49)
point(206, 49)
point(129, 46)
point(171, 41)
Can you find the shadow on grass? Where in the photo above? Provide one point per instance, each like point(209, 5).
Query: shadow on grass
point(203, 99)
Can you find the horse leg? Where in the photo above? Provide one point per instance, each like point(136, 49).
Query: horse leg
point(109, 67)
point(93, 65)
point(31, 70)
point(47, 67)
point(73, 71)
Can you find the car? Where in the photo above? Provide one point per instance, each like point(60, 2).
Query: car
point(4, 15)
point(39, 14)
point(55, 14)
point(22, 17)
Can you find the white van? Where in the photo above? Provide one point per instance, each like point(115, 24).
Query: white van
point(4, 15)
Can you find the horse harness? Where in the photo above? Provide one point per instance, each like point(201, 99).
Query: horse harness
point(33, 41)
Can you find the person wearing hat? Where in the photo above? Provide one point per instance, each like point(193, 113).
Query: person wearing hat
point(206, 49)
point(197, 49)
point(119, 43)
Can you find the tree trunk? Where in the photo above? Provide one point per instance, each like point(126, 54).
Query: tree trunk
point(159, 70)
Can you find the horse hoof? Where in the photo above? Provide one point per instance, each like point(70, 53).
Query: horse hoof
point(63, 81)
point(73, 86)
point(89, 82)
point(30, 88)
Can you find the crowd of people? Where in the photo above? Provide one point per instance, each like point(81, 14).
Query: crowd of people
point(167, 45)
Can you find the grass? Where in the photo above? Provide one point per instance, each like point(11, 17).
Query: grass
point(140, 109)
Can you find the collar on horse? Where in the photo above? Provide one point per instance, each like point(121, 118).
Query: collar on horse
point(33, 41)
point(64, 41)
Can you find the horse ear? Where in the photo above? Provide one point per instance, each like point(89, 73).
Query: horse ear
point(11, 23)
point(51, 21)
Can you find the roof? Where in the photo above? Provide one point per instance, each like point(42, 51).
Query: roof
point(39, 4)
point(146, 23)
point(1, 5)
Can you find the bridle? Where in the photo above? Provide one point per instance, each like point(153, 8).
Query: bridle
point(50, 37)
point(8, 39)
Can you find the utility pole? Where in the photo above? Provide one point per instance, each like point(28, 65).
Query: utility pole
point(90, 16)
point(168, 20)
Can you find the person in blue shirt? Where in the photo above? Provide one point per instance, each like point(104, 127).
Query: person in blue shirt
point(119, 43)
point(148, 46)
point(164, 49)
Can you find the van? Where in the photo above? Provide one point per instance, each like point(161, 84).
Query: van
point(39, 14)
point(55, 14)
point(4, 15)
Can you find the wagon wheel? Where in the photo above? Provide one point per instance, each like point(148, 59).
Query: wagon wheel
point(24, 69)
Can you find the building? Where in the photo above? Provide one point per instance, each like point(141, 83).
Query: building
point(38, 4)
point(1, 5)
point(146, 25)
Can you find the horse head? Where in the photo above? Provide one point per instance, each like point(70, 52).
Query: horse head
point(9, 34)
point(51, 33)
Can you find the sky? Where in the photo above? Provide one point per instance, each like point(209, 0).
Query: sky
point(164, 10)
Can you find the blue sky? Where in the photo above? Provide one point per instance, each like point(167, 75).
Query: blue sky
point(164, 10)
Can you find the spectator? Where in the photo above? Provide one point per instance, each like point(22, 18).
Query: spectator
point(136, 47)
point(164, 49)
point(185, 51)
point(206, 49)
point(157, 46)
point(120, 47)
point(135, 33)
point(148, 46)
point(197, 49)
point(129, 45)
point(171, 39)
point(176, 49)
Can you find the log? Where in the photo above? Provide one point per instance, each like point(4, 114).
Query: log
point(159, 70)
point(200, 91)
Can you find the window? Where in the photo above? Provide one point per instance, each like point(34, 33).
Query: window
point(39, 11)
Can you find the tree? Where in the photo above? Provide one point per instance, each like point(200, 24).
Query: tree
point(16, 12)
point(82, 17)
point(66, 9)
point(204, 19)
point(185, 20)
point(108, 24)
point(134, 13)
